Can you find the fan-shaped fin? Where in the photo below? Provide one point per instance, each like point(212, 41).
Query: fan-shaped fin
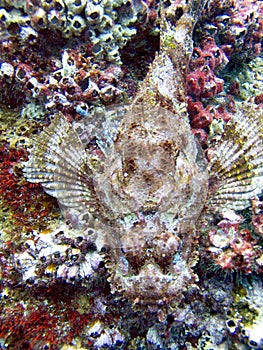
point(58, 161)
point(236, 169)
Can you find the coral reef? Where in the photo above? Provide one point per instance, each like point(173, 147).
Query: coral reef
point(157, 242)
point(229, 34)
point(67, 77)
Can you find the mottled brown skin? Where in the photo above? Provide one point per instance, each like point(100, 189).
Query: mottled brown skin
point(156, 175)
point(153, 188)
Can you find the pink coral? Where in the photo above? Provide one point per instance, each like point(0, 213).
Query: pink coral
point(232, 248)
point(200, 117)
point(202, 82)
point(208, 54)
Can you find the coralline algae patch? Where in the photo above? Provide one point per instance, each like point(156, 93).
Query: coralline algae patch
point(245, 317)
point(23, 206)
point(246, 80)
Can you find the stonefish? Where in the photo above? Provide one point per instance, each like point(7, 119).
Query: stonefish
point(146, 193)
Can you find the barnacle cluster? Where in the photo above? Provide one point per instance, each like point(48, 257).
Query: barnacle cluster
point(236, 25)
point(233, 248)
point(70, 82)
point(63, 61)
point(107, 24)
point(59, 255)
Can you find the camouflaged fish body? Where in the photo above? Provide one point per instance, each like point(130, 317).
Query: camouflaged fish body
point(147, 193)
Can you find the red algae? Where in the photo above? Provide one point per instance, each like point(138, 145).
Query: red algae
point(28, 203)
point(42, 325)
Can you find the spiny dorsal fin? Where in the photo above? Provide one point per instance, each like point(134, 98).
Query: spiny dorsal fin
point(58, 161)
point(165, 81)
point(236, 169)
